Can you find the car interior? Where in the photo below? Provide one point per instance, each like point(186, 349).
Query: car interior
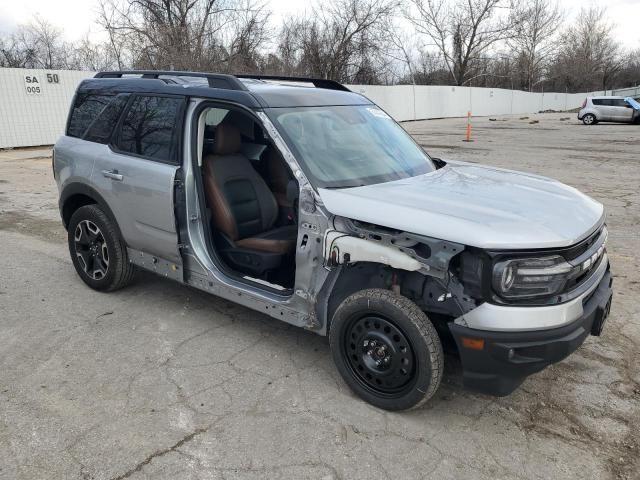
point(251, 198)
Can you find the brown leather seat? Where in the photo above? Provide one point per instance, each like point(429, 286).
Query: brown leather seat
point(243, 207)
point(278, 177)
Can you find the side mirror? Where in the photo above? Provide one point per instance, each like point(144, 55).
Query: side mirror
point(438, 162)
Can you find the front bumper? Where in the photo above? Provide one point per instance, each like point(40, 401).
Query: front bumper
point(507, 358)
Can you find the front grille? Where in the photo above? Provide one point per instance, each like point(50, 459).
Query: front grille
point(586, 257)
point(578, 249)
point(583, 276)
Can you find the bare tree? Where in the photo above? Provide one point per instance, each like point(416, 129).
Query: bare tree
point(589, 57)
point(462, 31)
point(343, 41)
point(533, 41)
point(37, 44)
point(46, 40)
point(181, 34)
point(630, 73)
point(401, 49)
point(88, 55)
point(107, 15)
point(247, 35)
point(14, 54)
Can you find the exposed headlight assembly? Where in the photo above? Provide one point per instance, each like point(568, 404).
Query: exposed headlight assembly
point(534, 277)
point(531, 277)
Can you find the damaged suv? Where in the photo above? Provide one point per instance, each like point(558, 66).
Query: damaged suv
point(305, 201)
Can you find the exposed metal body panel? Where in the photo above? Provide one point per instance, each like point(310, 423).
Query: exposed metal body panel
point(203, 272)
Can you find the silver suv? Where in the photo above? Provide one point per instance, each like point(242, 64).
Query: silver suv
point(609, 109)
point(305, 201)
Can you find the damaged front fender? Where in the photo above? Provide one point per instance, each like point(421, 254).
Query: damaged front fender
point(341, 248)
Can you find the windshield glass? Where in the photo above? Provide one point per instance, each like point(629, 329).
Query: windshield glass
point(350, 146)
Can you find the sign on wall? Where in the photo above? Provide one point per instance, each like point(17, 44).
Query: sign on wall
point(32, 82)
point(32, 85)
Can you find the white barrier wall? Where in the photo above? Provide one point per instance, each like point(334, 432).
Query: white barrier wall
point(34, 103)
point(628, 92)
point(408, 102)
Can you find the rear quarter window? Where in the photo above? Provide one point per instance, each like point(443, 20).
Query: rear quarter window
point(100, 130)
point(86, 108)
point(597, 102)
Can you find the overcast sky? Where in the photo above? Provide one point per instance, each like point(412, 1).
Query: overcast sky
point(76, 17)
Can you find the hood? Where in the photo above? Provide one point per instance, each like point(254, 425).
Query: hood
point(474, 205)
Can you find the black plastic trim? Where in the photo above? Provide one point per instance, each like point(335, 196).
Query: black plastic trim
point(215, 80)
point(77, 188)
point(508, 358)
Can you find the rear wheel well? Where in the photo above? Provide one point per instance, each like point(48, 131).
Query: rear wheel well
point(73, 203)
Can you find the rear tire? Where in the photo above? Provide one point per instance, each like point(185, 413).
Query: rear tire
point(386, 349)
point(589, 119)
point(97, 251)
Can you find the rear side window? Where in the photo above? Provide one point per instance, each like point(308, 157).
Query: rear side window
point(597, 102)
point(149, 128)
point(619, 102)
point(102, 127)
point(85, 110)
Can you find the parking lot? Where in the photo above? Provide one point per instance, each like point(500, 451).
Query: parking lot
point(160, 381)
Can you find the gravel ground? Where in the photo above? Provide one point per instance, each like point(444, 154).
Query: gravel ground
point(160, 381)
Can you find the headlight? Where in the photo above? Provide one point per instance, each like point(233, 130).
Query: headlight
point(531, 277)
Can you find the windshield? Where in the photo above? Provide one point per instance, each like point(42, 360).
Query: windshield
point(633, 103)
point(350, 146)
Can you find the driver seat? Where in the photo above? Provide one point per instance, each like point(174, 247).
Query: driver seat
point(243, 208)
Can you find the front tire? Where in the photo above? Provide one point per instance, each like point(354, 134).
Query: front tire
point(386, 349)
point(589, 119)
point(97, 251)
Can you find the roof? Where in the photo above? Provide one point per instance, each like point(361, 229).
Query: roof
point(255, 92)
point(598, 97)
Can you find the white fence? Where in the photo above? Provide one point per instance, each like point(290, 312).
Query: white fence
point(34, 103)
point(628, 92)
point(408, 102)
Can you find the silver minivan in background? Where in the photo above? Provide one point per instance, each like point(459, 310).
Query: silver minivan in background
point(609, 109)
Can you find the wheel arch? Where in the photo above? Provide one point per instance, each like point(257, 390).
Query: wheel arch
point(76, 195)
point(346, 280)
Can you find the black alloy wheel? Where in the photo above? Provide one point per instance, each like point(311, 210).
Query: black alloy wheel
point(97, 250)
point(91, 250)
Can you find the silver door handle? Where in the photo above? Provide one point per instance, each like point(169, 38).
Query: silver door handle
point(112, 174)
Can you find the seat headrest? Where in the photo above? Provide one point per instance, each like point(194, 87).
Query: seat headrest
point(227, 140)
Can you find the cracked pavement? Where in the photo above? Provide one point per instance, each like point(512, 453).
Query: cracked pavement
point(160, 381)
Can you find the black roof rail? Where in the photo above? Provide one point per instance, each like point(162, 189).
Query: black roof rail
point(225, 81)
point(317, 82)
point(215, 80)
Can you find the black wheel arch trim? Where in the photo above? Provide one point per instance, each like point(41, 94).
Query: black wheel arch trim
point(77, 188)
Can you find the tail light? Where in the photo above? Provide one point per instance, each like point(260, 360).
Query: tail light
point(53, 162)
point(584, 104)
